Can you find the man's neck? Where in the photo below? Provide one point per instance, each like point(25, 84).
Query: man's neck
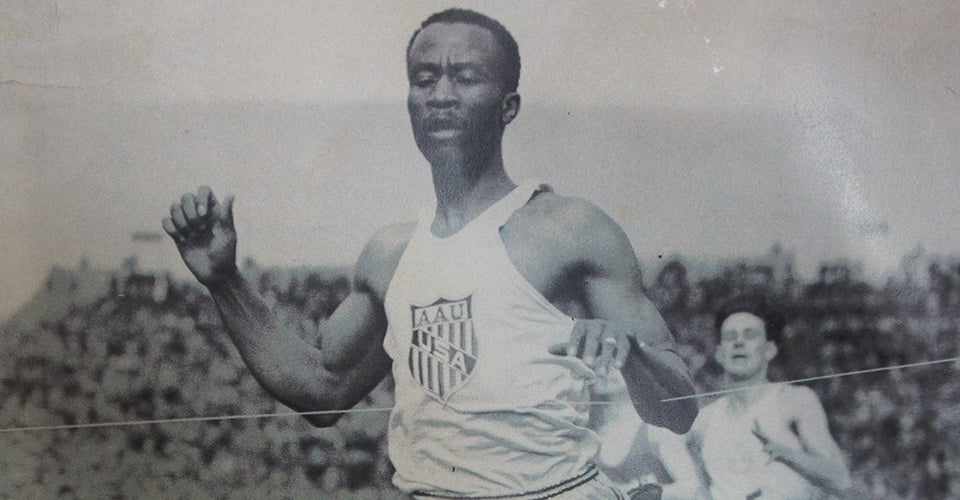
point(750, 388)
point(464, 191)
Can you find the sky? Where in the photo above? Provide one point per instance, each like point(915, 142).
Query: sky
point(704, 128)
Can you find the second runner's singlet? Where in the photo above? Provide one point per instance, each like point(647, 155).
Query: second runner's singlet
point(481, 407)
point(734, 458)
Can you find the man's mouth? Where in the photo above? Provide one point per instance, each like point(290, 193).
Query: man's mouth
point(441, 124)
point(443, 130)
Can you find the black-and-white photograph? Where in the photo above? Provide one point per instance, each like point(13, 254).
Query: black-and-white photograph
point(491, 249)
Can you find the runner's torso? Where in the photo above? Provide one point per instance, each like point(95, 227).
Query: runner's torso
point(734, 457)
point(481, 407)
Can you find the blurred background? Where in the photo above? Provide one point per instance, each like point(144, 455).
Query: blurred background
point(97, 345)
point(806, 148)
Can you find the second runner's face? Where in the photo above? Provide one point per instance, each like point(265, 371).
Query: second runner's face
point(456, 92)
point(744, 349)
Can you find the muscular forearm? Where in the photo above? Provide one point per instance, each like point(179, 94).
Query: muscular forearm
point(655, 374)
point(285, 365)
point(823, 472)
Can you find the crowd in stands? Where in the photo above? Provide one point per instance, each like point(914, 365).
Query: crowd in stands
point(125, 346)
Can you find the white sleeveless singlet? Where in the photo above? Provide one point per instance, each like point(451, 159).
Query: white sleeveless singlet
point(734, 458)
point(481, 407)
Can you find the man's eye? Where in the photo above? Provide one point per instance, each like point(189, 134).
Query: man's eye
point(752, 334)
point(424, 80)
point(467, 78)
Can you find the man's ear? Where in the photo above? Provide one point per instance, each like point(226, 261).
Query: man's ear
point(718, 354)
point(770, 350)
point(510, 107)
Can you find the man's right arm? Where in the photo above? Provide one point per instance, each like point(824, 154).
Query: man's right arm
point(298, 374)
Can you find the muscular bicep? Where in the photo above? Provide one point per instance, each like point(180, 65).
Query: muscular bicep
point(351, 353)
point(359, 323)
point(351, 339)
point(355, 327)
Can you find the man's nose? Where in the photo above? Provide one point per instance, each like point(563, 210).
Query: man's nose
point(444, 93)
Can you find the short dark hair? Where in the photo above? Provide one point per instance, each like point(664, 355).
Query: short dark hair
point(757, 305)
point(511, 63)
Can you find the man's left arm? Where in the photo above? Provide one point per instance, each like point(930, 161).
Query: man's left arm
point(626, 331)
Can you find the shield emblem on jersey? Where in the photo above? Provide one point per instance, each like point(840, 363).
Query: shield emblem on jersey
point(443, 347)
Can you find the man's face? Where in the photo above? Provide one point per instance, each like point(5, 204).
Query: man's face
point(456, 99)
point(744, 350)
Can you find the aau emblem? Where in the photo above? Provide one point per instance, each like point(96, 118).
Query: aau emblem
point(443, 348)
